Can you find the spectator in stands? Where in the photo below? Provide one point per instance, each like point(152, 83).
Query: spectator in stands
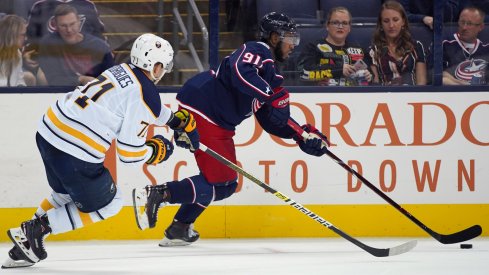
point(12, 38)
point(332, 60)
point(464, 55)
point(395, 58)
point(70, 57)
point(421, 11)
point(41, 18)
point(41, 23)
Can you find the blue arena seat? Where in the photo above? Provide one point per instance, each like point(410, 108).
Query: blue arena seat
point(309, 34)
point(303, 12)
point(361, 11)
point(361, 35)
point(422, 33)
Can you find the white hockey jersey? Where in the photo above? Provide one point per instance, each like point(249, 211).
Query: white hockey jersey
point(120, 104)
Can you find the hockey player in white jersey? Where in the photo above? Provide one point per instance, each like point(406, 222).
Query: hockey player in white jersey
point(78, 129)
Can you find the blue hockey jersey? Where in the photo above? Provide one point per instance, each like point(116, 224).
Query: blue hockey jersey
point(464, 64)
point(243, 82)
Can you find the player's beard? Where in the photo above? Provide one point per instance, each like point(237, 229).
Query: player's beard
point(277, 51)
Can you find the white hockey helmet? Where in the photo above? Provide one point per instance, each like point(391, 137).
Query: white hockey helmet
point(148, 50)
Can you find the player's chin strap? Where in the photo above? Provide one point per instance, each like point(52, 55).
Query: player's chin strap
point(464, 235)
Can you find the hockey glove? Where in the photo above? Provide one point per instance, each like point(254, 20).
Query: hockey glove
point(187, 136)
point(280, 111)
point(312, 130)
point(162, 149)
point(316, 144)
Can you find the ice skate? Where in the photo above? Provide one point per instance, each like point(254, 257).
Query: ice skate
point(16, 259)
point(29, 238)
point(179, 234)
point(146, 203)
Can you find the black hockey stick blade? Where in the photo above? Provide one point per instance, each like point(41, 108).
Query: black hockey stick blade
point(457, 237)
point(378, 252)
point(461, 236)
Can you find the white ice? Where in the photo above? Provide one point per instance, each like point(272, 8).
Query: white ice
point(257, 256)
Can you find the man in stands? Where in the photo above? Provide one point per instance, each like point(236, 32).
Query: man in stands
point(41, 23)
point(70, 57)
point(465, 57)
point(41, 18)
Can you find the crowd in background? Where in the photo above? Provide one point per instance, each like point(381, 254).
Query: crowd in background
point(56, 43)
point(395, 56)
point(61, 42)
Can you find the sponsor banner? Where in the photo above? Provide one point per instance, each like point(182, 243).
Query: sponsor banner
point(419, 148)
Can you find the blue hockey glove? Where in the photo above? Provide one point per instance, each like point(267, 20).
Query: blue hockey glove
point(313, 130)
point(162, 149)
point(316, 144)
point(280, 111)
point(187, 135)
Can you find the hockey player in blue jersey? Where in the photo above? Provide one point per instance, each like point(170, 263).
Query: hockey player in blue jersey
point(76, 132)
point(246, 83)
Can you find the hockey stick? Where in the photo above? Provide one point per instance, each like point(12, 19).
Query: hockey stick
point(378, 252)
point(461, 236)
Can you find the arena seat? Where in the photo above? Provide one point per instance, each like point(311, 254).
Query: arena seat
point(422, 33)
point(361, 35)
point(361, 11)
point(303, 12)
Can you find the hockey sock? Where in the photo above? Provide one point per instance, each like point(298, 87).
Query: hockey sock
point(194, 189)
point(55, 200)
point(188, 213)
point(68, 218)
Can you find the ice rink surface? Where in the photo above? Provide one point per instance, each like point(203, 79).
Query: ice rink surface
point(257, 256)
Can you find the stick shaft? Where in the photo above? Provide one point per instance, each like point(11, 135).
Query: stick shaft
point(463, 235)
point(378, 252)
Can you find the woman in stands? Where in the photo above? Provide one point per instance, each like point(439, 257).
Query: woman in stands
point(12, 37)
point(332, 61)
point(395, 58)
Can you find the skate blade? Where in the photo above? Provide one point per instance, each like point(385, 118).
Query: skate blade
point(10, 263)
point(175, 242)
point(18, 238)
point(139, 199)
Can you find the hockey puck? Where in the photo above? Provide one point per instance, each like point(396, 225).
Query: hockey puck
point(466, 246)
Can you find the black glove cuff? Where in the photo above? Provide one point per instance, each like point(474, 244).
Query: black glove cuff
point(174, 122)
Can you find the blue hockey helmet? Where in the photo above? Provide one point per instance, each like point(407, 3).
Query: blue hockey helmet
point(280, 24)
